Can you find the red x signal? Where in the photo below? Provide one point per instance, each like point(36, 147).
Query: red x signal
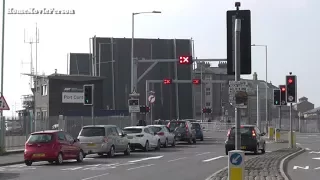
point(196, 81)
point(167, 81)
point(185, 60)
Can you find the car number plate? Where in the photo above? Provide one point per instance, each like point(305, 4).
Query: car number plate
point(130, 137)
point(243, 147)
point(38, 155)
point(179, 134)
point(91, 145)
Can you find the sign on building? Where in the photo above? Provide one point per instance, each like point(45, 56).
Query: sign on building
point(72, 95)
point(238, 96)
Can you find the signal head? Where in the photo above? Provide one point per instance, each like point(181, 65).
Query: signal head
point(196, 81)
point(185, 60)
point(167, 81)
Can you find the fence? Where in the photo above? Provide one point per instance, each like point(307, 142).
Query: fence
point(16, 130)
point(310, 126)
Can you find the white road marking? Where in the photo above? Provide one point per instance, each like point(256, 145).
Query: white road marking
point(212, 159)
point(93, 177)
point(71, 169)
point(124, 164)
point(318, 158)
point(298, 143)
point(140, 167)
point(177, 159)
point(300, 167)
point(99, 168)
point(308, 149)
point(203, 153)
point(144, 159)
point(314, 152)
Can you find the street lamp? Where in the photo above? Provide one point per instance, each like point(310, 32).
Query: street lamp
point(266, 54)
point(133, 79)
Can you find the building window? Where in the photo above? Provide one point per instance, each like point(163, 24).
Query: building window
point(208, 104)
point(38, 89)
point(44, 90)
point(207, 77)
point(208, 91)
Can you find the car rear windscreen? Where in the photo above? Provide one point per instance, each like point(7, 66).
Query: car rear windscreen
point(40, 138)
point(178, 124)
point(196, 125)
point(156, 129)
point(93, 131)
point(243, 131)
point(132, 130)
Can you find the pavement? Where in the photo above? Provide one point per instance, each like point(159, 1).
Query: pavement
point(307, 165)
point(183, 162)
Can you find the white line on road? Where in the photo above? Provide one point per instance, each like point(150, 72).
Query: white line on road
point(95, 176)
point(140, 167)
point(71, 169)
point(144, 159)
point(202, 153)
point(308, 149)
point(212, 159)
point(177, 159)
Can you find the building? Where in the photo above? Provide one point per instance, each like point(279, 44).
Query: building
point(80, 64)
point(303, 105)
point(112, 59)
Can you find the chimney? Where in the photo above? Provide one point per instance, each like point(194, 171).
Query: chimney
point(255, 76)
point(55, 71)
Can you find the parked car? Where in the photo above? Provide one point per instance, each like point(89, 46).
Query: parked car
point(183, 131)
point(13, 128)
point(251, 139)
point(104, 139)
point(199, 131)
point(52, 146)
point(166, 136)
point(142, 137)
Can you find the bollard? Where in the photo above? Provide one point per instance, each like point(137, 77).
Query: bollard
point(236, 165)
point(294, 144)
point(277, 136)
point(271, 133)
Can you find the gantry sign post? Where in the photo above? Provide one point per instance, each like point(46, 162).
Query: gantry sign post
point(154, 62)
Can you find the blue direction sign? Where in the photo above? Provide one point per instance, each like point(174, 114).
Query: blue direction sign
point(236, 159)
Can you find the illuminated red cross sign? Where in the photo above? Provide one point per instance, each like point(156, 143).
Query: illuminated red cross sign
point(185, 60)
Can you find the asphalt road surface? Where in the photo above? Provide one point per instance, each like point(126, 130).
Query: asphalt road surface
point(307, 165)
point(183, 162)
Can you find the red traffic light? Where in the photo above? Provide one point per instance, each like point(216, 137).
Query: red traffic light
point(167, 81)
point(196, 81)
point(290, 81)
point(283, 89)
point(147, 109)
point(185, 60)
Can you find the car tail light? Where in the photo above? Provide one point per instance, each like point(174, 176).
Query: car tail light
point(187, 128)
point(161, 133)
point(140, 135)
point(253, 133)
point(105, 139)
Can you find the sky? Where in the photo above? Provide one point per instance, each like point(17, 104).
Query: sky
point(290, 29)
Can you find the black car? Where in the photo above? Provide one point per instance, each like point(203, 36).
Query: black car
point(251, 139)
point(183, 131)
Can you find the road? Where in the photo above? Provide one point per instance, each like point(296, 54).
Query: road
point(307, 165)
point(183, 162)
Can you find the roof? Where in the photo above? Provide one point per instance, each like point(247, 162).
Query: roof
point(315, 110)
point(99, 126)
point(74, 77)
point(246, 125)
point(142, 127)
point(46, 131)
point(157, 125)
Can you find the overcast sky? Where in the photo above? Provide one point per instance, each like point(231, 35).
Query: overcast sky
point(290, 28)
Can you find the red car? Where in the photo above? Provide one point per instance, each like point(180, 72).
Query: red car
point(52, 146)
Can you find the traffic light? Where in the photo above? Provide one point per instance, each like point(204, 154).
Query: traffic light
point(144, 109)
point(185, 60)
point(283, 91)
point(167, 81)
point(196, 81)
point(88, 95)
point(206, 111)
point(291, 83)
point(276, 97)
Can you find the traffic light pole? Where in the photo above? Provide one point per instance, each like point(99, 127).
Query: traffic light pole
point(291, 135)
point(280, 114)
point(237, 28)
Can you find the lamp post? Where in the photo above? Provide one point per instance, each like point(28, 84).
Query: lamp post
point(266, 54)
point(133, 64)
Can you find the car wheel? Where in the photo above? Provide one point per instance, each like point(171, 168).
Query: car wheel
point(173, 143)
point(194, 141)
point(100, 154)
point(256, 150)
point(146, 146)
point(50, 162)
point(227, 151)
point(59, 159)
point(28, 163)
point(165, 143)
point(80, 156)
point(201, 139)
point(127, 151)
point(158, 145)
point(111, 152)
point(189, 141)
point(263, 150)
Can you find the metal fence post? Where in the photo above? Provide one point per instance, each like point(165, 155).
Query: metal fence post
point(2, 135)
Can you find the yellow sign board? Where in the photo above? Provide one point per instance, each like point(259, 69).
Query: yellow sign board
point(235, 173)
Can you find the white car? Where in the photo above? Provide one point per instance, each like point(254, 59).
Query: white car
point(142, 137)
point(166, 137)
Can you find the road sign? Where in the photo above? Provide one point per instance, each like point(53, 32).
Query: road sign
point(134, 106)
point(152, 98)
point(238, 89)
point(3, 104)
point(236, 165)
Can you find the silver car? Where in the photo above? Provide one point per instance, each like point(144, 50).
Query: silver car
point(103, 139)
point(165, 135)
